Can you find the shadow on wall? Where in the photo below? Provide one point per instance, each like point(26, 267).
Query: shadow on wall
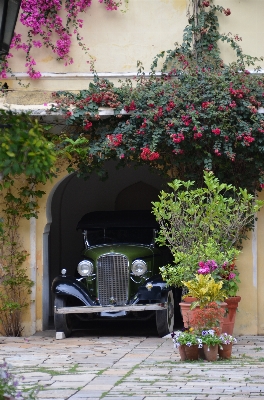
point(137, 196)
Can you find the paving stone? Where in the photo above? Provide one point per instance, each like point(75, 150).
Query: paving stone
point(132, 367)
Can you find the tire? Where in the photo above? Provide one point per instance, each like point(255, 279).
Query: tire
point(62, 321)
point(165, 318)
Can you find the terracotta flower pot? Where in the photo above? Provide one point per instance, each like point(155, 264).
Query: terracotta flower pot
point(182, 352)
point(187, 313)
point(226, 351)
point(191, 352)
point(230, 318)
point(210, 352)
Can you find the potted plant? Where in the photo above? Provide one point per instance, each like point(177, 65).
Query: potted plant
point(188, 344)
point(225, 346)
point(204, 290)
point(200, 224)
point(222, 267)
point(208, 317)
point(210, 341)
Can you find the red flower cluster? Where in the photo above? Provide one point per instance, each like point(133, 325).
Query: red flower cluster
point(115, 140)
point(158, 114)
point(147, 154)
point(177, 137)
point(216, 131)
point(105, 98)
point(246, 137)
point(217, 152)
point(227, 11)
point(238, 93)
point(197, 135)
point(132, 106)
point(186, 119)
point(206, 104)
point(87, 125)
point(208, 317)
point(170, 106)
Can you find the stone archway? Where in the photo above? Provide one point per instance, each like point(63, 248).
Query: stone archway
point(73, 197)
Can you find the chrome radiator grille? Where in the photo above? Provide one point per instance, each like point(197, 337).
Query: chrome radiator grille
point(112, 278)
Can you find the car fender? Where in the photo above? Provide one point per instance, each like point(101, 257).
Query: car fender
point(154, 288)
point(69, 286)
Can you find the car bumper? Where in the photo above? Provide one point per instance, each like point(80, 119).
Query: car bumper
point(99, 309)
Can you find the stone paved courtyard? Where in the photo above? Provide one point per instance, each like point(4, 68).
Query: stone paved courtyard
point(138, 368)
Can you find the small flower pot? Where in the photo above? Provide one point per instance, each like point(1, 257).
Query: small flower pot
point(182, 352)
point(210, 352)
point(191, 352)
point(226, 351)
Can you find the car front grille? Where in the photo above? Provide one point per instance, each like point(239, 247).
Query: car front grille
point(112, 278)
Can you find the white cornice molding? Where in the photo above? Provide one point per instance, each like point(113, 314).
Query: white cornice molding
point(77, 75)
point(89, 75)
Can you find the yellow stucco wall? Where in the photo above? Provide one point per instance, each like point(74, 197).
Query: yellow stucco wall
point(117, 40)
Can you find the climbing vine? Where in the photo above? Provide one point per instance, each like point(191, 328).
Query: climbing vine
point(46, 27)
point(26, 159)
point(197, 114)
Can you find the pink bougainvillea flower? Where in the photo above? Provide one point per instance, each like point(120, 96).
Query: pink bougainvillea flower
point(216, 131)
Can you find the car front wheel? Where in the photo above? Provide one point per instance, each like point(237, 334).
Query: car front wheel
point(62, 321)
point(165, 318)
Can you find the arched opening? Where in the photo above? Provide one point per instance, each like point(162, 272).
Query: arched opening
point(127, 188)
point(137, 196)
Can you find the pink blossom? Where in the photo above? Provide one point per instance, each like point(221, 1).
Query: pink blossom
point(216, 131)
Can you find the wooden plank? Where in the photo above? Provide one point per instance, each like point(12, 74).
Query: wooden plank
point(96, 309)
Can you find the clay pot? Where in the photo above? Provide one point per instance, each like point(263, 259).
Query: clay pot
point(226, 351)
point(191, 352)
point(229, 319)
point(182, 352)
point(210, 352)
point(187, 313)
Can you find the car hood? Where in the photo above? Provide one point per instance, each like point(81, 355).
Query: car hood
point(132, 251)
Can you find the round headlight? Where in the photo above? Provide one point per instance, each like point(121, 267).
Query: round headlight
point(85, 268)
point(139, 267)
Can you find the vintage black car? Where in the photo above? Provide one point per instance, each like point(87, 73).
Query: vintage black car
point(118, 276)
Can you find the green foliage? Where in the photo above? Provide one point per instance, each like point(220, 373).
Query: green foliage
point(185, 338)
point(200, 224)
point(205, 289)
point(210, 338)
point(23, 148)
point(15, 285)
point(186, 264)
point(217, 210)
point(26, 159)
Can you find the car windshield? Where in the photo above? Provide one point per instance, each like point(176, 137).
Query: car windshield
point(120, 235)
